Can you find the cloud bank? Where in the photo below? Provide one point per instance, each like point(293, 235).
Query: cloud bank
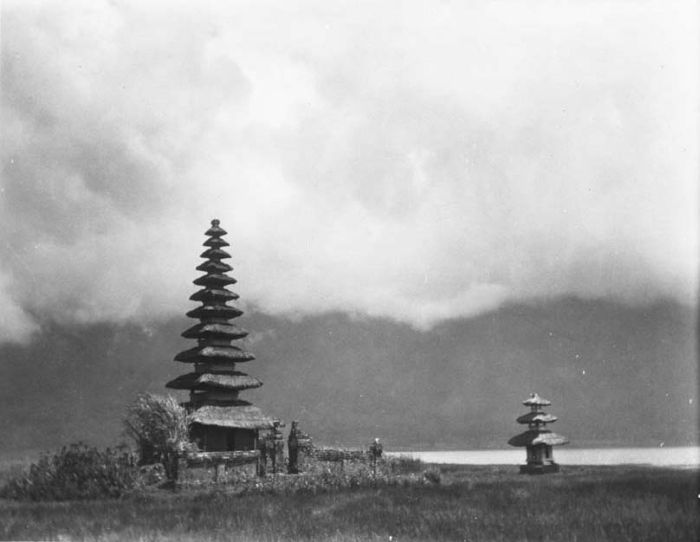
point(422, 161)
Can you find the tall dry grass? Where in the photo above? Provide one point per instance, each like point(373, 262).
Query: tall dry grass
point(472, 503)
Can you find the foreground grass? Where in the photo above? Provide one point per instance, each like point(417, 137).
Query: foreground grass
point(472, 503)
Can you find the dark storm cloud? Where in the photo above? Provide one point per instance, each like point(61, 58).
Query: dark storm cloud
point(421, 163)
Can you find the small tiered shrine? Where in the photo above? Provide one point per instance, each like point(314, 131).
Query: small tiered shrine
point(538, 440)
point(219, 420)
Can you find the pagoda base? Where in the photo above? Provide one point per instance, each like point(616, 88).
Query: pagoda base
point(539, 468)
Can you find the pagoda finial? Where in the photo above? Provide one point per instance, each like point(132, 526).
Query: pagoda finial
point(215, 222)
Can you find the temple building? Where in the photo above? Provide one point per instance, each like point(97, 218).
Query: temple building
point(538, 440)
point(219, 419)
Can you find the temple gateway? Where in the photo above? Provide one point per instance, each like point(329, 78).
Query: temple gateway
point(219, 420)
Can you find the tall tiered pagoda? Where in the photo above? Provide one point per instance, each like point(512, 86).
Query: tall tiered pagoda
point(219, 420)
point(538, 440)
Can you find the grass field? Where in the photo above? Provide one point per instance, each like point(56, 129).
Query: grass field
point(471, 503)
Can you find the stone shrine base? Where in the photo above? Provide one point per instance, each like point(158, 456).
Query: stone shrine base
point(539, 468)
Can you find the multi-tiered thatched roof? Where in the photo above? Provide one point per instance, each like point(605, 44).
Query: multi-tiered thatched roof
point(537, 420)
point(215, 383)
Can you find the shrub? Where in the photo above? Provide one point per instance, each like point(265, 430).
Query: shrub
point(433, 475)
point(404, 464)
point(76, 472)
point(151, 474)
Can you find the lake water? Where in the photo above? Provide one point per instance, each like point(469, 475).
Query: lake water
point(685, 456)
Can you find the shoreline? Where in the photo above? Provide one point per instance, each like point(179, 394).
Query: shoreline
point(671, 456)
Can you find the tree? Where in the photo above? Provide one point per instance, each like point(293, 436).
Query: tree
point(158, 425)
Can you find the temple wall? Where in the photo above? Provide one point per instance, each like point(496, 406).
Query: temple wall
point(216, 474)
point(205, 468)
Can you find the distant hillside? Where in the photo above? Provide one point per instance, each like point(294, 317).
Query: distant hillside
point(616, 376)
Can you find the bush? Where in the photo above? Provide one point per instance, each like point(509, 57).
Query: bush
point(76, 472)
point(404, 464)
point(323, 476)
point(433, 475)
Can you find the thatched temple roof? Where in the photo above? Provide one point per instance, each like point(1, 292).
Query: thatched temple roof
point(538, 437)
point(211, 295)
point(211, 266)
point(214, 280)
point(222, 312)
point(533, 417)
point(201, 331)
point(215, 254)
point(536, 400)
point(217, 354)
point(215, 242)
point(206, 381)
point(215, 230)
point(239, 417)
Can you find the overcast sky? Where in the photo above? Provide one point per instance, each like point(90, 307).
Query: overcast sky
point(419, 161)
